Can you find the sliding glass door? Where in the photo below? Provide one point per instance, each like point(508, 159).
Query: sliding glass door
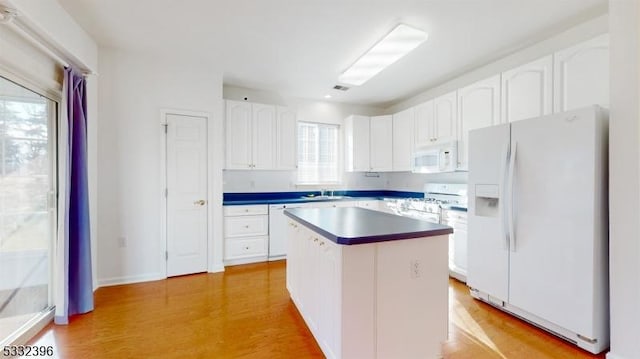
point(27, 205)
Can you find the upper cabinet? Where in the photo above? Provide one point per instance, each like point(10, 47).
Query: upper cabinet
point(445, 116)
point(478, 106)
point(581, 75)
point(527, 90)
point(403, 125)
point(286, 139)
point(239, 140)
point(423, 124)
point(381, 145)
point(259, 136)
point(368, 143)
point(357, 138)
point(264, 136)
point(436, 120)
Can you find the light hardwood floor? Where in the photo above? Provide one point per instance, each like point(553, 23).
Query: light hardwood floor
point(246, 313)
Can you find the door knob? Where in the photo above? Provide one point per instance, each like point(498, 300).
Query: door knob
point(200, 202)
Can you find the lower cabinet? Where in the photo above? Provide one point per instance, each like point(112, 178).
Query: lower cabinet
point(457, 243)
point(366, 301)
point(246, 234)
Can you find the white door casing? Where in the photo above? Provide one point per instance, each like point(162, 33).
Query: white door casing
point(186, 195)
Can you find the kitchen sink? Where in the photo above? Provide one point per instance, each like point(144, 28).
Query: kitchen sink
point(325, 197)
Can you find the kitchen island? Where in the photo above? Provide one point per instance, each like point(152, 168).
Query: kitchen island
point(369, 284)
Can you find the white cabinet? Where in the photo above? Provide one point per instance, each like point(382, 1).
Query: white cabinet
point(357, 139)
point(356, 299)
point(403, 123)
point(423, 114)
point(478, 106)
point(259, 136)
point(246, 234)
point(264, 136)
point(381, 146)
point(329, 204)
point(373, 204)
point(457, 243)
point(238, 130)
point(445, 116)
point(581, 75)
point(368, 143)
point(313, 281)
point(527, 90)
point(286, 139)
point(436, 120)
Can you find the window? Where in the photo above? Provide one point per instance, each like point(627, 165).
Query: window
point(27, 209)
point(318, 153)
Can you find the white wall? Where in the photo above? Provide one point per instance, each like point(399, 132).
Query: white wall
point(581, 32)
point(60, 33)
point(309, 111)
point(59, 29)
point(414, 182)
point(285, 181)
point(133, 90)
point(624, 179)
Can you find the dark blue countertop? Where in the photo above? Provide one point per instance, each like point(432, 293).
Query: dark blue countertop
point(352, 225)
point(234, 199)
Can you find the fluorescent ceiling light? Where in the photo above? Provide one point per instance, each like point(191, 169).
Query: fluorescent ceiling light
point(399, 42)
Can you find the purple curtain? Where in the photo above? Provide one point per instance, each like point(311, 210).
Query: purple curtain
point(78, 286)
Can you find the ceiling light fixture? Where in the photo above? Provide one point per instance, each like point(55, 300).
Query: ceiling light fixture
point(327, 96)
point(396, 44)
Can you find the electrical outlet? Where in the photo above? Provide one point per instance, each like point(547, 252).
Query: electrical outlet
point(122, 241)
point(415, 269)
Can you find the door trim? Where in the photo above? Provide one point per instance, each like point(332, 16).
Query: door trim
point(163, 185)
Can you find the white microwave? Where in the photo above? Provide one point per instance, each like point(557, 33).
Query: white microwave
point(435, 158)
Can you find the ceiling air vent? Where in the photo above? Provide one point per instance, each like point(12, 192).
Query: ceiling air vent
point(340, 87)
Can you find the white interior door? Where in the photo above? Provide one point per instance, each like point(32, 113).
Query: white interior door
point(186, 194)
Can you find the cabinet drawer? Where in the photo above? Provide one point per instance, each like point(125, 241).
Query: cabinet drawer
point(455, 216)
point(246, 210)
point(244, 226)
point(239, 248)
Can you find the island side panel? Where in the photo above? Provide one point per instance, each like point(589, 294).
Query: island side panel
point(358, 306)
point(412, 297)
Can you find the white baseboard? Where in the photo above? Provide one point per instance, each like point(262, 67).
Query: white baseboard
point(107, 282)
point(610, 355)
point(217, 269)
point(233, 262)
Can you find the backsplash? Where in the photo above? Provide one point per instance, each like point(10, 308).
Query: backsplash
point(414, 182)
point(285, 181)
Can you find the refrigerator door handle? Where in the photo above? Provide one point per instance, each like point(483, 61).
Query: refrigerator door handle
point(510, 215)
point(503, 196)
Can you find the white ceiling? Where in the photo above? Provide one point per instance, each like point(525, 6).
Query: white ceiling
point(299, 47)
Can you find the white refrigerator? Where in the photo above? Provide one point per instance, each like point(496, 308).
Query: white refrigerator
point(538, 222)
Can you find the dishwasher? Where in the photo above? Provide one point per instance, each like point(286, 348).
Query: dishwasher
point(278, 230)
